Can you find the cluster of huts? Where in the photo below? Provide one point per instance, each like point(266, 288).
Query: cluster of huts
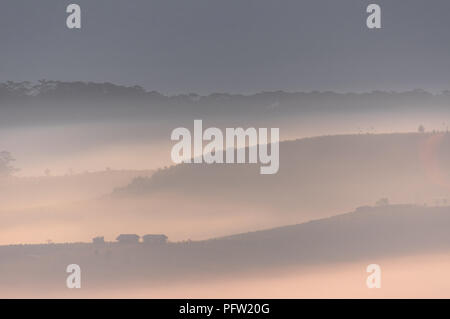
point(135, 239)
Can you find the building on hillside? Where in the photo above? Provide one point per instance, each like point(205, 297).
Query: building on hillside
point(128, 239)
point(98, 240)
point(155, 239)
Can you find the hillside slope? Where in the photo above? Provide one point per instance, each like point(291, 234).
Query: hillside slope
point(372, 234)
point(319, 176)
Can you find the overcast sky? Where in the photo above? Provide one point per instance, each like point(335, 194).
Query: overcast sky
point(240, 46)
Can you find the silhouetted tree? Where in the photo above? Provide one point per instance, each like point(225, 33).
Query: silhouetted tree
point(6, 168)
point(421, 129)
point(382, 202)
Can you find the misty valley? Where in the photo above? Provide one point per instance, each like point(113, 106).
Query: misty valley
point(73, 182)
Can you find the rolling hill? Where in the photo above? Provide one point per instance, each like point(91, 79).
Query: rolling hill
point(318, 176)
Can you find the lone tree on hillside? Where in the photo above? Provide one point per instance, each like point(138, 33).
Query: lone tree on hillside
point(382, 202)
point(6, 168)
point(421, 129)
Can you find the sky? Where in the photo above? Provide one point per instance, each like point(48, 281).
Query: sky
point(236, 46)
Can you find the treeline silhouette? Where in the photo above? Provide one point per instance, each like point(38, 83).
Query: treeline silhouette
point(79, 89)
point(48, 90)
point(44, 102)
